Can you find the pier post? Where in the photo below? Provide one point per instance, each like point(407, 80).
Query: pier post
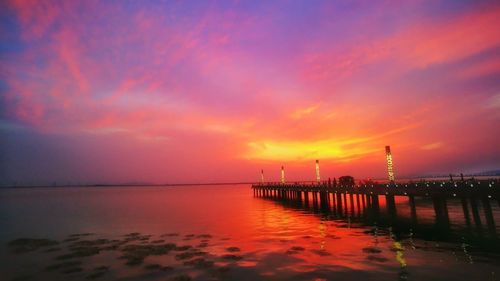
point(334, 204)
point(375, 204)
point(475, 212)
point(413, 209)
point(390, 205)
point(339, 203)
point(465, 208)
point(489, 215)
point(351, 200)
point(441, 211)
point(358, 204)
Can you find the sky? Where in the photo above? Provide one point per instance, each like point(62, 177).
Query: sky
point(215, 91)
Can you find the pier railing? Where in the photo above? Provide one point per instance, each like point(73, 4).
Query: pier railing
point(488, 188)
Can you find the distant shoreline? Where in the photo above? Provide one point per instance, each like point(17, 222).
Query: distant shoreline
point(124, 185)
point(444, 177)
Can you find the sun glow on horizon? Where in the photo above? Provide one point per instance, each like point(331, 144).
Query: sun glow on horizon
point(341, 151)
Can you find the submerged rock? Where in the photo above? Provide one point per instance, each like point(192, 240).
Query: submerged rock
point(62, 265)
point(23, 245)
point(232, 257)
point(80, 252)
point(199, 263)
point(190, 254)
point(72, 270)
point(135, 254)
point(169, 235)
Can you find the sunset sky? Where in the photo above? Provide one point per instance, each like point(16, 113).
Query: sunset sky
point(204, 91)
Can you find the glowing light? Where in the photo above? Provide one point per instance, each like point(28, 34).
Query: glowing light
point(341, 150)
point(388, 156)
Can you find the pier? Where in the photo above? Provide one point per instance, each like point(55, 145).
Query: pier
point(377, 204)
point(365, 200)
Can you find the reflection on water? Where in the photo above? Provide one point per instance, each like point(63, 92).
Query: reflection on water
point(225, 233)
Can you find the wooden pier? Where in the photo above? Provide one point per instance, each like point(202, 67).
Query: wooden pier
point(364, 204)
point(469, 188)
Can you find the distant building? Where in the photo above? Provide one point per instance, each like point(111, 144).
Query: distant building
point(346, 181)
point(388, 156)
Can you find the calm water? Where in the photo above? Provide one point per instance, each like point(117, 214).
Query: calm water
point(233, 236)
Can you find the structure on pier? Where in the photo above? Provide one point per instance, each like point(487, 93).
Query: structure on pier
point(318, 178)
point(262, 176)
point(282, 174)
point(388, 156)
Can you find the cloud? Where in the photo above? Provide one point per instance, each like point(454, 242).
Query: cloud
point(432, 146)
point(493, 102)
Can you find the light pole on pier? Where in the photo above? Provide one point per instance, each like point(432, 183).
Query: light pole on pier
point(388, 156)
point(318, 179)
point(282, 174)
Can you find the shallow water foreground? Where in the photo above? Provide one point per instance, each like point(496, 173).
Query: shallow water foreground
point(225, 233)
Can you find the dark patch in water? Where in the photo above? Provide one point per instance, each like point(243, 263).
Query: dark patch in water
point(55, 249)
point(62, 265)
point(153, 266)
point(199, 263)
point(376, 258)
point(182, 248)
point(96, 275)
point(22, 278)
point(183, 277)
point(322, 253)
point(188, 255)
point(371, 250)
point(72, 239)
point(233, 249)
point(135, 254)
point(73, 270)
point(81, 234)
point(294, 250)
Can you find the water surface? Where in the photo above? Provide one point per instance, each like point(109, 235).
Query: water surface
point(225, 233)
